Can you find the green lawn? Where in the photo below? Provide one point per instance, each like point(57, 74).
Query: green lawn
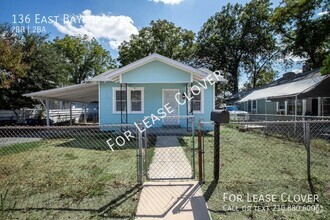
point(258, 164)
point(63, 178)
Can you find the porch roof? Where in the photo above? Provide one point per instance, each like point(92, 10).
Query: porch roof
point(284, 91)
point(87, 92)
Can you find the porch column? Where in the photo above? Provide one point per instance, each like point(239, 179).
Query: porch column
point(85, 115)
point(70, 104)
point(304, 107)
point(47, 113)
point(319, 107)
point(295, 108)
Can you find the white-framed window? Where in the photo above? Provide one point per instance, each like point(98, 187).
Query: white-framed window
point(119, 100)
point(198, 101)
point(135, 100)
point(291, 107)
point(281, 108)
point(326, 106)
point(254, 106)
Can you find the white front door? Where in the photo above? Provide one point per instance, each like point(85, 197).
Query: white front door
point(169, 97)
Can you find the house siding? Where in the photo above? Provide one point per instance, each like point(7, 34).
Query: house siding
point(152, 102)
point(156, 72)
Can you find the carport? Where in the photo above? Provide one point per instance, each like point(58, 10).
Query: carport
point(84, 93)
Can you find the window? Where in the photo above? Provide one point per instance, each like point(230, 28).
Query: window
point(120, 100)
point(254, 106)
point(291, 106)
point(135, 100)
point(197, 101)
point(281, 107)
point(326, 107)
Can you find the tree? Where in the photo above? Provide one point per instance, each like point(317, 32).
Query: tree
point(86, 58)
point(265, 76)
point(11, 52)
point(44, 68)
point(237, 38)
point(325, 70)
point(160, 37)
point(303, 33)
point(263, 51)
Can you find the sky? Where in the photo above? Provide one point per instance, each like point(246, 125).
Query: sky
point(109, 21)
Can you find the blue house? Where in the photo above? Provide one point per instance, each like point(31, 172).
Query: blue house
point(151, 87)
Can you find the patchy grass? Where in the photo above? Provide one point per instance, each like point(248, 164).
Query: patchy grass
point(257, 164)
point(18, 148)
point(48, 176)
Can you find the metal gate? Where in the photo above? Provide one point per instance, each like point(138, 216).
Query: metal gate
point(168, 151)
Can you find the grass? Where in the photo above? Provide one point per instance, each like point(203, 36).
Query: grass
point(63, 174)
point(258, 164)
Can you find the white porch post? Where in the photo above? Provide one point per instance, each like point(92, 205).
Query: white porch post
point(295, 108)
point(70, 104)
point(85, 113)
point(319, 106)
point(47, 113)
point(304, 107)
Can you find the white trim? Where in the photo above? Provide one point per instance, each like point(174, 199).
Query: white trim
point(213, 96)
point(319, 106)
point(191, 78)
point(202, 101)
point(156, 57)
point(176, 82)
point(303, 111)
point(129, 89)
point(120, 78)
point(163, 102)
point(278, 109)
point(254, 110)
point(99, 104)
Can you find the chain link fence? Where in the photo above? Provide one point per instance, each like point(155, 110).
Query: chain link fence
point(169, 149)
point(84, 171)
point(68, 172)
point(273, 117)
point(269, 169)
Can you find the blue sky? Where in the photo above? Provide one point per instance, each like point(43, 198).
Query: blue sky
point(110, 21)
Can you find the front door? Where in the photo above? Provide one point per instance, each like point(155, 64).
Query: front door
point(169, 97)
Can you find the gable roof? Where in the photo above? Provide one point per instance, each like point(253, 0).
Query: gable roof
point(285, 88)
point(114, 75)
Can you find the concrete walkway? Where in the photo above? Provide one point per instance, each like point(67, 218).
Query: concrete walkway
point(171, 200)
point(169, 160)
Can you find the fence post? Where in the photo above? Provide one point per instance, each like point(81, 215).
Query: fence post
point(200, 152)
point(193, 143)
point(308, 148)
point(140, 162)
point(146, 154)
point(216, 156)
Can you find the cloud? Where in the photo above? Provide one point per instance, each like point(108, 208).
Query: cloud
point(322, 13)
point(114, 29)
point(169, 2)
